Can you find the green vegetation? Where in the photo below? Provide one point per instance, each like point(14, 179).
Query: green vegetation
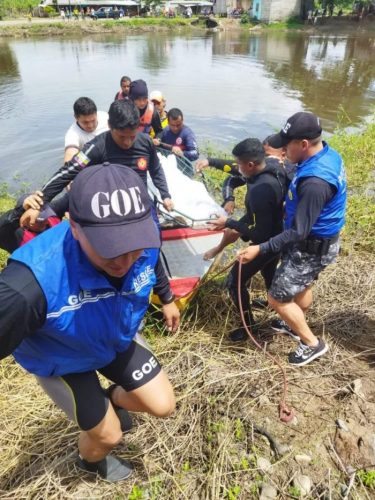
point(359, 157)
point(367, 478)
point(289, 24)
point(17, 7)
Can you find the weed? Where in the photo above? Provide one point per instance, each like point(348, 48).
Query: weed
point(239, 431)
point(294, 491)
point(367, 478)
point(136, 493)
point(233, 492)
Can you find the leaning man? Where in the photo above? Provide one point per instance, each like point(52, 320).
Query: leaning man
point(71, 304)
point(315, 214)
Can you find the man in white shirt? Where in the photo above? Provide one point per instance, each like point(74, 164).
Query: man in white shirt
point(89, 123)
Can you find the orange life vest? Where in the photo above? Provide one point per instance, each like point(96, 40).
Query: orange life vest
point(146, 119)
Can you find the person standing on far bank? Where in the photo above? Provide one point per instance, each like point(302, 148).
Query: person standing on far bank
point(315, 214)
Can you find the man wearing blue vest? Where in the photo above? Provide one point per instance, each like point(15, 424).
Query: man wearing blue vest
point(315, 214)
point(71, 304)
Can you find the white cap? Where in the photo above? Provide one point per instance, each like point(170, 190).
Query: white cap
point(156, 95)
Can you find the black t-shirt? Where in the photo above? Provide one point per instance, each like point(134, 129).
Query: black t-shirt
point(141, 157)
point(264, 205)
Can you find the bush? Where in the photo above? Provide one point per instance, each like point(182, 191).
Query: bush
point(50, 11)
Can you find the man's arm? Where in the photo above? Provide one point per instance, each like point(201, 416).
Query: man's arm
point(263, 204)
point(191, 151)
point(230, 184)
point(228, 166)
point(313, 194)
point(22, 306)
point(90, 154)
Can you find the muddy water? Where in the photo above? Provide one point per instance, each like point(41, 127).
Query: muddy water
point(229, 85)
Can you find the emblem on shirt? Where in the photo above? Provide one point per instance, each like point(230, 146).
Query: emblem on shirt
point(227, 168)
point(290, 195)
point(142, 163)
point(178, 141)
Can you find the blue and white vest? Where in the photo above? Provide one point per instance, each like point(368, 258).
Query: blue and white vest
point(88, 321)
point(327, 165)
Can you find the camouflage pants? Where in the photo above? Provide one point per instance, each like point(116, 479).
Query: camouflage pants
point(298, 270)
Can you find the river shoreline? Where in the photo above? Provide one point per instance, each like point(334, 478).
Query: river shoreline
point(56, 27)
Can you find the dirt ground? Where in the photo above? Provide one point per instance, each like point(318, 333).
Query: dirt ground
point(225, 439)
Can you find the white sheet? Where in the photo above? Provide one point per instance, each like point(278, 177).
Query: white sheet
point(190, 197)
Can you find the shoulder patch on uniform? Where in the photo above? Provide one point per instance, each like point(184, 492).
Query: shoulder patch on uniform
point(227, 168)
point(81, 159)
point(142, 163)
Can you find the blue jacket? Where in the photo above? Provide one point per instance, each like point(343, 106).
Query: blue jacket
point(327, 165)
point(88, 321)
point(185, 140)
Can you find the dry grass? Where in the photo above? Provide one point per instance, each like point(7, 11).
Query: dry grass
point(209, 448)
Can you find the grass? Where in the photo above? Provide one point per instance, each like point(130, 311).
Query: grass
point(92, 27)
point(210, 448)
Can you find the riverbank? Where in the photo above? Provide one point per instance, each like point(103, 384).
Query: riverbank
point(225, 440)
point(29, 27)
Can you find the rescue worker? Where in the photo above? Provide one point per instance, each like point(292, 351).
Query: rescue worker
point(180, 137)
point(123, 93)
point(83, 317)
point(13, 236)
point(266, 188)
point(123, 145)
point(159, 101)
point(315, 214)
point(149, 116)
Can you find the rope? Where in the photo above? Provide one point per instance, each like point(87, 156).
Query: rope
point(285, 414)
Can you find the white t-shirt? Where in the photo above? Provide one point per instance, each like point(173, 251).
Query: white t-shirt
point(77, 138)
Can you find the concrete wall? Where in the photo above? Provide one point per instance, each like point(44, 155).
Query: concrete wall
point(276, 10)
point(284, 9)
point(227, 6)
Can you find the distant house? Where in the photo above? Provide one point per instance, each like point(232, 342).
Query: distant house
point(270, 11)
point(228, 6)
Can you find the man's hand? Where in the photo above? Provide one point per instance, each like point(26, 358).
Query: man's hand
point(248, 254)
point(229, 207)
point(34, 201)
point(217, 224)
point(177, 151)
point(28, 219)
point(171, 316)
point(156, 141)
point(168, 204)
point(201, 164)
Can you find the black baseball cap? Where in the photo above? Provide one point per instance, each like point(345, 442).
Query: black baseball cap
point(302, 125)
point(111, 205)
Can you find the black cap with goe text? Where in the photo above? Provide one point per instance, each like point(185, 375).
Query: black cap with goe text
point(302, 125)
point(111, 205)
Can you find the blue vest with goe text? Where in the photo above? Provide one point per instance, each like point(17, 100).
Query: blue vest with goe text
point(327, 165)
point(88, 321)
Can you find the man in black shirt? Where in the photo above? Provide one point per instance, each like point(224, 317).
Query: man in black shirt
point(121, 145)
point(266, 186)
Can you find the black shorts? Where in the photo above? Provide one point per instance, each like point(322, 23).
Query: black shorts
point(298, 270)
point(81, 396)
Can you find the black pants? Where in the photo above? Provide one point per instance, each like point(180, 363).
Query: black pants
point(266, 264)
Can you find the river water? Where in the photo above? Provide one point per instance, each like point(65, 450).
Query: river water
point(230, 85)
